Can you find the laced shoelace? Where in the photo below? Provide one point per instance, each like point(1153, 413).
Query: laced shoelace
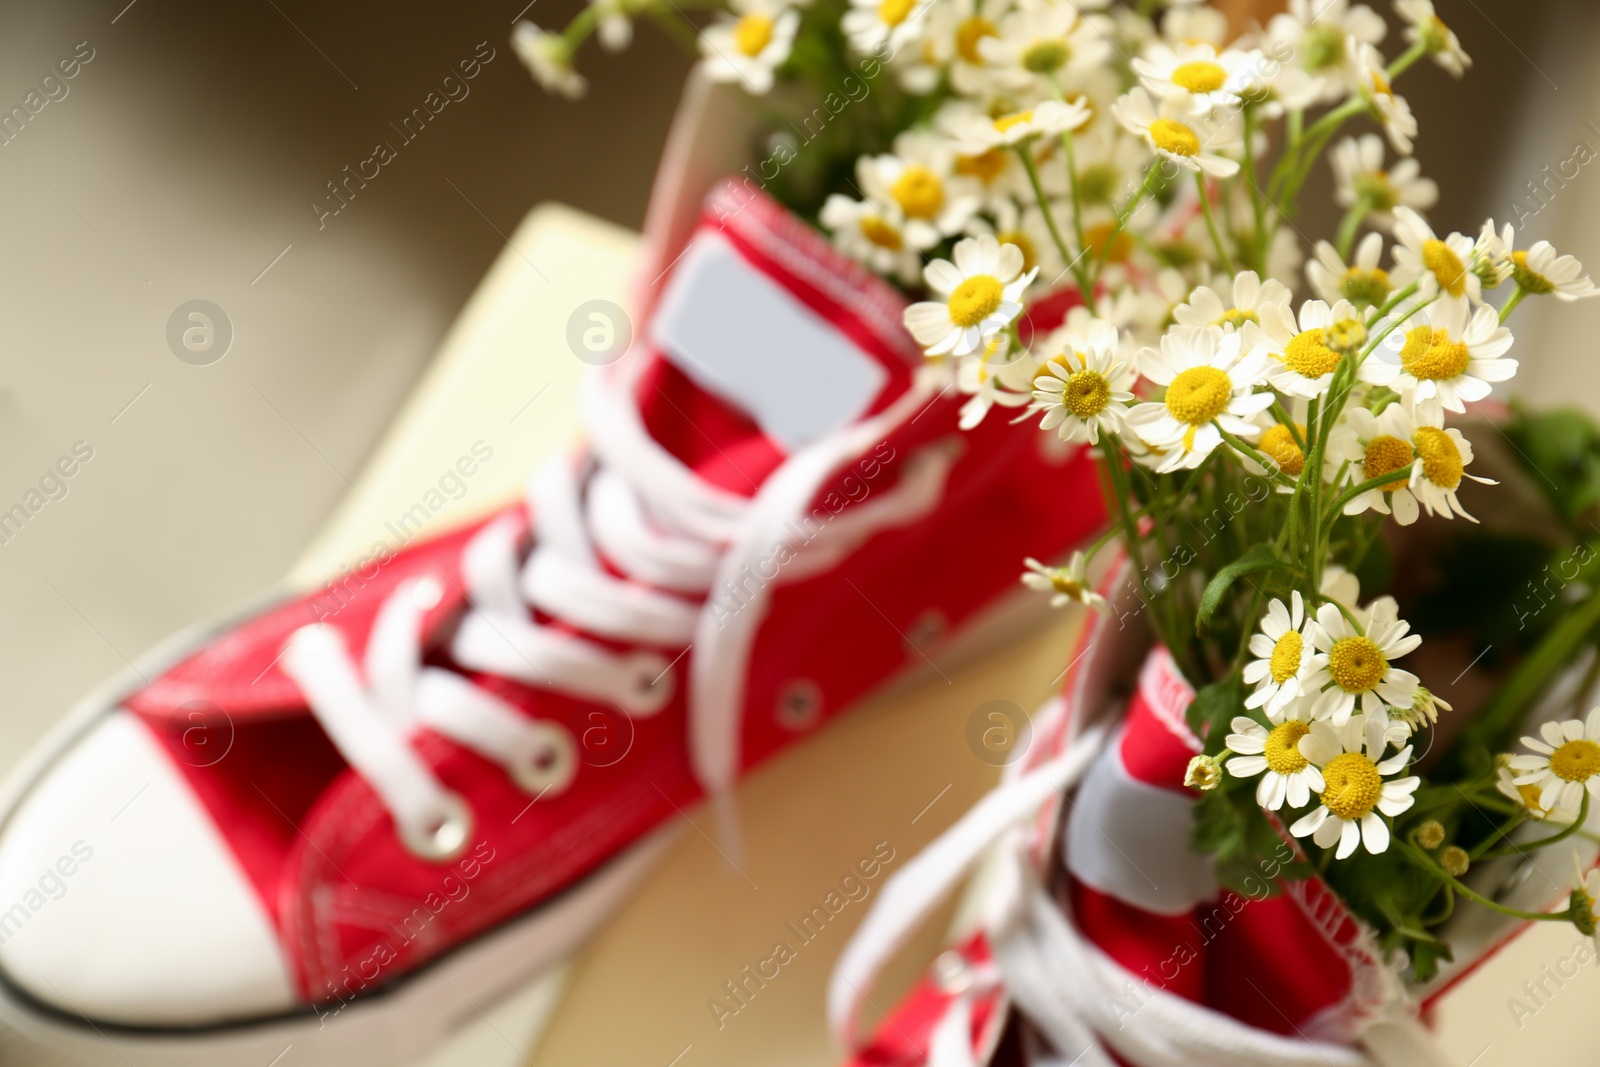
point(674, 538)
point(1070, 991)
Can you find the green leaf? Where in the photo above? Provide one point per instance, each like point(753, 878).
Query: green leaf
point(1259, 557)
point(1213, 708)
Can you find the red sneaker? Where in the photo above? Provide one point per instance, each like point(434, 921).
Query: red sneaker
point(1094, 936)
point(308, 824)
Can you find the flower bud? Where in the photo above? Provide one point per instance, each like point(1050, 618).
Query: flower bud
point(1430, 835)
point(1347, 336)
point(1455, 861)
point(1204, 774)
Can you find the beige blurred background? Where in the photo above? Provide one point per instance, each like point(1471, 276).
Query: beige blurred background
point(181, 165)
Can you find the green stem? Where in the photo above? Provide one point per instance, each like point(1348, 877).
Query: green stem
point(1348, 227)
point(1426, 862)
point(1293, 427)
point(1533, 846)
point(1044, 206)
point(1554, 650)
point(1211, 224)
point(1152, 177)
point(1511, 304)
point(1404, 60)
point(1245, 449)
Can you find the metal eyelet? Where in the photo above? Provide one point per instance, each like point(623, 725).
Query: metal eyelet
point(553, 764)
point(799, 705)
point(445, 833)
point(649, 686)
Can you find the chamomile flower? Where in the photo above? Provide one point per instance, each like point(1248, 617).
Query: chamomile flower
point(1283, 655)
point(916, 178)
point(748, 45)
point(1172, 138)
point(1424, 710)
point(1542, 271)
point(1323, 37)
point(1068, 584)
point(1197, 77)
point(1306, 353)
point(1210, 385)
point(1564, 763)
point(1442, 43)
point(1355, 797)
point(1085, 390)
point(1391, 110)
point(1441, 266)
point(981, 292)
point(873, 234)
point(1527, 796)
point(549, 58)
point(1037, 43)
point(1249, 297)
point(1429, 461)
point(1451, 363)
point(1362, 282)
point(869, 24)
point(974, 133)
point(1359, 177)
point(1354, 667)
point(1286, 774)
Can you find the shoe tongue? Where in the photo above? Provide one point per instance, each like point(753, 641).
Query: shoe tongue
point(765, 339)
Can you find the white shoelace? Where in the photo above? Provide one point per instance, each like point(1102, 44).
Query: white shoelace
point(1064, 985)
point(674, 536)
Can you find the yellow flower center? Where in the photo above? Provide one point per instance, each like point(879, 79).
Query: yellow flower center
point(969, 33)
point(1283, 747)
point(1446, 266)
point(894, 12)
point(1386, 454)
point(1530, 795)
point(1046, 56)
point(1366, 288)
point(1237, 317)
point(1532, 281)
point(919, 192)
point(1286, 655)
point(1346, 336)
point(1278, 445)
point(1308, 354)
point(1198, 395)
point(1576, 761)
point(1200, 76)
point(1170, 135)
point(1441, 459)
point(1086, 394)
point(1430, 354)
point(1099, 236)
point(1024, 243)
point(975, 300)
point(986, 166)
point(1353, 785)
point(877, 230)
point(1062, 583)
point(1356, 664)
point(1016, 118)
point(752, 34)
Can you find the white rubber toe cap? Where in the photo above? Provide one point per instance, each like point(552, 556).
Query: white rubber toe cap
point(120, 901)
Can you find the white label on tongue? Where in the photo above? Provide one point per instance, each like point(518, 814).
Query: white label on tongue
point(741, 337)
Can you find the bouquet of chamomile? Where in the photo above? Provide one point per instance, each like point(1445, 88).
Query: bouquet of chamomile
point(1287, 442)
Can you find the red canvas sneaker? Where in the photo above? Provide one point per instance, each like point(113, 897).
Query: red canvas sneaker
point(1093, 935)
point(346, 823)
